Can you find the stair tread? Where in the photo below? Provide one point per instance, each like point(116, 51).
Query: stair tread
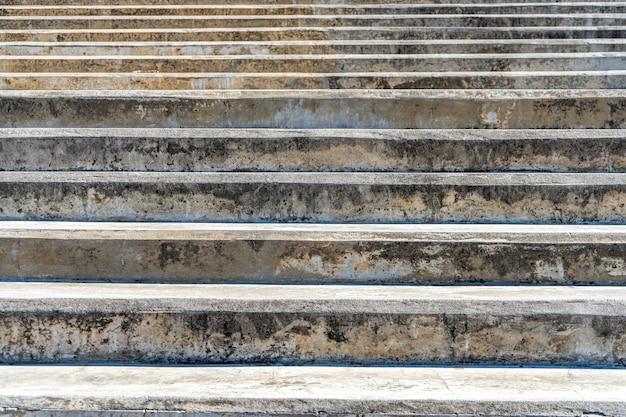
point(363, 134)
point(473, 179)
point(482, 233)
point(312, 390)
point(86, 298)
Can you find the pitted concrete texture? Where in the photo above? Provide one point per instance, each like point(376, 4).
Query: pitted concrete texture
point(37, 391)
point(314, 197)
point(312, 150)
point(512, 109)
point(307, 324)
point(310, 253)
point(307, 33)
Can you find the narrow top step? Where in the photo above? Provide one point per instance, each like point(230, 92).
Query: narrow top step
point(269, 2)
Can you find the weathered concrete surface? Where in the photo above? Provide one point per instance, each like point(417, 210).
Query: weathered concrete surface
point(36, 391)
point(312, 150)
point(314, 197)
point(416, 254)
point(512, 109)
point(354, 80)
point(371, 46)
point(323, 63)
point(312, 9)
point(252, 21)
point(302, 324)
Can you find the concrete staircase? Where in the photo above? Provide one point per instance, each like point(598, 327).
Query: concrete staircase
point(252, 209)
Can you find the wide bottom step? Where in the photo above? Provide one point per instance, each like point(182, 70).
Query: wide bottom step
point(27, 391)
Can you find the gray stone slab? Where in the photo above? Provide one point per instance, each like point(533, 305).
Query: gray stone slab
point(313, 253)
point(512, 109)
point(310, 324)
point(35, 391)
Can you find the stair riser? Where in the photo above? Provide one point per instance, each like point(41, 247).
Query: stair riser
point(315, 9)
point(309, 151)
point(318, 110)
point(206, 198)
point(314, 64)
point(433, 21)
point(288, 261)
point(255, 48)
point(327, 33)
point(281, 81)
point(387, 338)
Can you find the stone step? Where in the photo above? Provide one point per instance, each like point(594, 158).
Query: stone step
point(308, 33)
point(109, 3)
point(331, 47)
point(314, 197)
point(179, 149)
point(435, 109)
point(281, 21)
point(313, 253)
point(70, 391)
point(588, 61)
point(291, 324)
point(279, 81)
point(313, 9)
